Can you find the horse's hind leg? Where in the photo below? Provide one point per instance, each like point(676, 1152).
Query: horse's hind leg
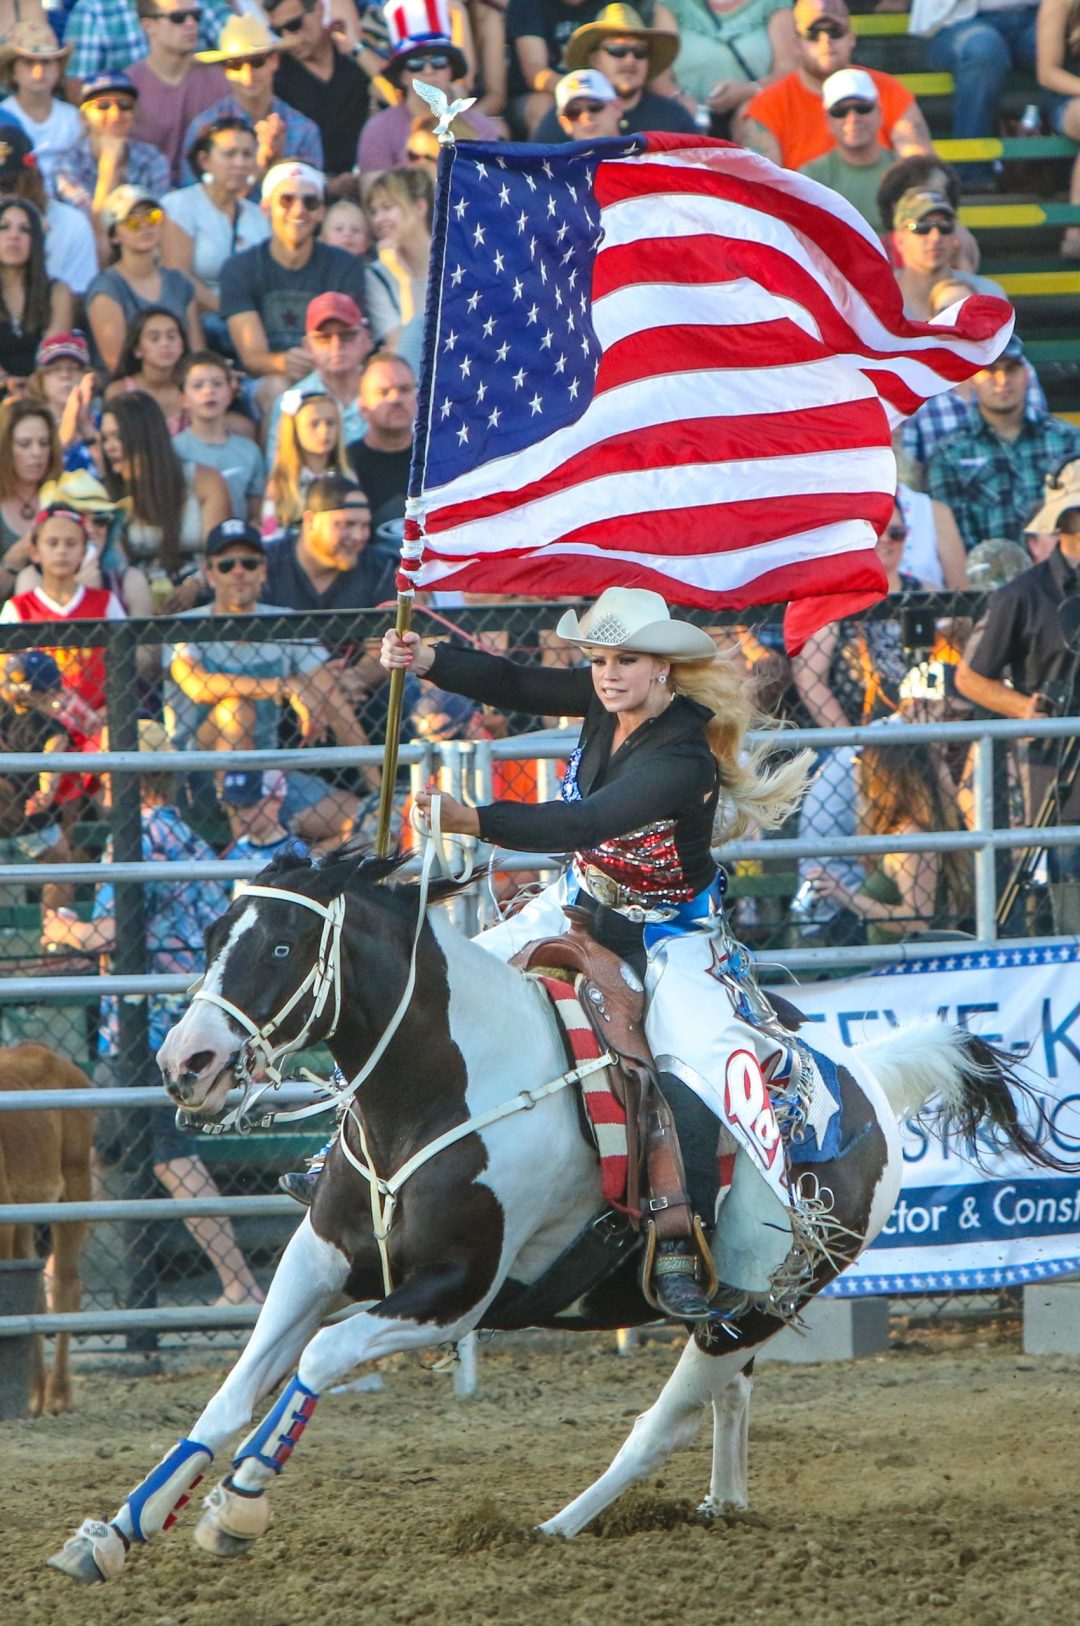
point(670, 1424)
point(308, 1279)
point(731, 1437)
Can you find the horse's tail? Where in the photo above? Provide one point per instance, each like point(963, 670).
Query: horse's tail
point(976, 1087)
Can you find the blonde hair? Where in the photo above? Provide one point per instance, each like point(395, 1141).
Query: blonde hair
point(285, 484)
point(752, 796)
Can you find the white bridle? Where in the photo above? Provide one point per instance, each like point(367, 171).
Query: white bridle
point(322, 981)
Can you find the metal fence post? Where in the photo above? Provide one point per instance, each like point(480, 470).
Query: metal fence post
point(986, 860)
point(129, 953)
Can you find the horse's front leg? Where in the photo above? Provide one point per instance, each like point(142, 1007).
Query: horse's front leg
point(731, 1439)
point(670, 1424)
point(308, 1279)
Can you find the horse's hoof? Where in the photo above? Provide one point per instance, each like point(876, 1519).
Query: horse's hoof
point(232, 1521)
point(711, 1508)
point(96, 1552)
point(212, 1539)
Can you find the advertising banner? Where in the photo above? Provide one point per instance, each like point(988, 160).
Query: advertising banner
point(958, 1226)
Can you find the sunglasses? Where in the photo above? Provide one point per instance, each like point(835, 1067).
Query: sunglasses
point(842, 109)
point(639, 53)
point(143, 217)
point(107, 103)
point(247, 562)
point(923, 228)
point(428, 59)
point(193, 14)
point(295, 24)
point(578, 110)
point(310, 202)
point(236, 64)
point(832, 31)
point(897, 533)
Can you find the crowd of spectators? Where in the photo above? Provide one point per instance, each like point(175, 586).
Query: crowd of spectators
point(215, 234)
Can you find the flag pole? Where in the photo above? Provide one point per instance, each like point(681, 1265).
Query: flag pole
point(393, 733)
point(412, 545)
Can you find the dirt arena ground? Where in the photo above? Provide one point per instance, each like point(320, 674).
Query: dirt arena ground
point(937, 1482)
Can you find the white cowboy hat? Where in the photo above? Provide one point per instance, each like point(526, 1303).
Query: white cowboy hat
point(636, 620)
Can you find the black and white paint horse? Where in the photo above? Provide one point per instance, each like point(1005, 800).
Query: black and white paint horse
point(326, 952)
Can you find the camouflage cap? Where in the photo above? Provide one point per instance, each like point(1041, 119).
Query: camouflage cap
point(992, 563)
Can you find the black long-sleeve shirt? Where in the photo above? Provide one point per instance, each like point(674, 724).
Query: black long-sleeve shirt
point(664, 773)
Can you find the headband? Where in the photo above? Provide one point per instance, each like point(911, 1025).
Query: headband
point(291, 170)
point(53, 512)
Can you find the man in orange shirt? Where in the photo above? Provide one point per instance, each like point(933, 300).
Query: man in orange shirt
point(786, 121)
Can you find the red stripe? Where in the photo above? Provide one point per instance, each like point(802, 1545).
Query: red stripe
point(700, 440)
point(697, 347)
point(705, 260)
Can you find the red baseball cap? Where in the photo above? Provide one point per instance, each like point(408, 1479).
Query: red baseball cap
point(333, 308)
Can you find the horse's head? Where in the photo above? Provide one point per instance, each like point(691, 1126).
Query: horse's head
point(273, 982)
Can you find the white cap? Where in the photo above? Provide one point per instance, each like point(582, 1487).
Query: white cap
point(292, 170)
point(850, 84)
point(583, 82)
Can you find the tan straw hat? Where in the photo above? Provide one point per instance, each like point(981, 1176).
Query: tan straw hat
point(638, 621)
point(245, 36)
point(621, 22)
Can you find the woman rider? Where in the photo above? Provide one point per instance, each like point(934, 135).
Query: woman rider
point(660, 774)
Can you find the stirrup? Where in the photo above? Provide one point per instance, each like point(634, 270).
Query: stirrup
point(669, 1278)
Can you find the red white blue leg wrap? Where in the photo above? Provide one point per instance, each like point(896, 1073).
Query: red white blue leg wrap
point(272, 1442)
point(153, 1505)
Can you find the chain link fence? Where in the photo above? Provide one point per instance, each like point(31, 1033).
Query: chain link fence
point(193, 693)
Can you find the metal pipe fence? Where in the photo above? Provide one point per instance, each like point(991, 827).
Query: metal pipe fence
point(143, 1258)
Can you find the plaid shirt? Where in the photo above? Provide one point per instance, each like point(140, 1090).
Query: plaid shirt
point(302, 136)
point(942, 415)
point(76, 172)
point(108, 36)
point(994, 485)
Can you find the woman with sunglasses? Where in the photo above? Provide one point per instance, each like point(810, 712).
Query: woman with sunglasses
point(134, 221)
point(31, 305)
point(400, 205)
point(208, 222)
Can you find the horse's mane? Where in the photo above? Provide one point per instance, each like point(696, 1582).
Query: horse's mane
point(352, 867)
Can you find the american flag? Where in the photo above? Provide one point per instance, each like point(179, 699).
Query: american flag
point(662, 362)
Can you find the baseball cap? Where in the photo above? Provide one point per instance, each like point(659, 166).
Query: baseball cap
point(230, 533)
point(1061, 491)
point(292, 170)
point(917, 203)
point(333, 308)
point(122, 202)
point(849, 84)
point(250, 787)
point(1014, 350)
point(329, 493)
point(63, 347)
point(584, 82)
point(996, 561)
point(108, 84)
point(16, 150)
point(33, 669)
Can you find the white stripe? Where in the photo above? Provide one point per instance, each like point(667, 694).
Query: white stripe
point(639, 307)
point(753, 168)
point(660, 491)
point(714, 572)
point(634, 220)
point(718, 392)
point(610, 1140)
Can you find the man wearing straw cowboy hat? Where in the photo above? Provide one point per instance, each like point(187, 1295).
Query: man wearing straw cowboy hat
point(619, 46)
point(249, 55)
point(661, 773)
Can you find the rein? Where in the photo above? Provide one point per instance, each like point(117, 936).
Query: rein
point(324, 981)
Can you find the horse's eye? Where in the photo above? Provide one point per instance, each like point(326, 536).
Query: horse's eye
point(281, 951)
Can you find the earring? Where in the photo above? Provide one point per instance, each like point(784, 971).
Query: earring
point(206, 177)
point(662, 678)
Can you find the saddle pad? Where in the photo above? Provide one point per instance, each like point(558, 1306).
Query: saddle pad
point(606, 1115)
